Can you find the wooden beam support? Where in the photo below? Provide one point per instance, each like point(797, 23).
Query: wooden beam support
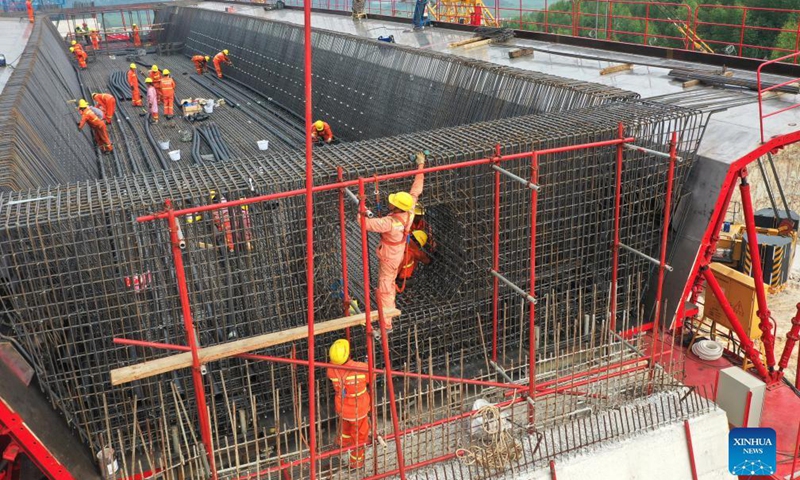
point(691, 83)
point(520, 52)
point(152, 368)
point(464, 42)
point(479, 43)
point(616, 68)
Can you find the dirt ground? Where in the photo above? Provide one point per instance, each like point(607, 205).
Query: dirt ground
point(784, 304)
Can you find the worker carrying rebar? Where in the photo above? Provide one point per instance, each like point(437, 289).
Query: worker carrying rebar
point(137, 40)
point(321, 132)
point(167, 93)
point(394, 228)
point(152, 100)
point(29, 7)
point(155, 75)
point(413, 256)
point(106, 103)
point(201, 63)
point(94, 36)
point(133, 81)
point(219, 59)
point(99, 132)
point(352, 400)
point(80, 54)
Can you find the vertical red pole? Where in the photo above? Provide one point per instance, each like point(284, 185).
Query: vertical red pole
point(752, 245)
point(343, 233)
point(647, 23)
point(401, 464)
point(552, 470)
point(615, 245)
point(747, 403)
point(362, 198)
point(312, 401)
point(692, 464)
point(532, 311)
point(496, 260)
point(796, 453)
point(191, 338)
point(741, 34)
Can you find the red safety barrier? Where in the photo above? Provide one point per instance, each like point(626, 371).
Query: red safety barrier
point(762, 91)
point(743, 25)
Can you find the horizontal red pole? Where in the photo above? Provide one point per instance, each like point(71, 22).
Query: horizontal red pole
point(781, 110)
point(779, 85)
point(574, 376)
point(297, 361)
point(422, 464)
point(633, 331)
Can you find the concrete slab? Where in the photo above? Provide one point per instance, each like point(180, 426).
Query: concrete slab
point(16, 32)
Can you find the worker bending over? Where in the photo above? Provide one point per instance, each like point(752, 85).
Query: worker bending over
point(414, 255)
point(155, 75)
point(80, 54)
point(393, 229)
point(137, 41)
point(219, 59)
point(152, 100)
point(200, 63)
point(167, 93)
point(133, 81)
point(95, 37)
point(99, 132)
point(352, 400)
point(106, 103)
point(29, 7)
point(321, 132)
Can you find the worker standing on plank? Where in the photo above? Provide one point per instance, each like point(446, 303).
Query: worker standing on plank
point(200, 63)
point(393, 229)
point(414, 255)
point(137, 41)
point(352, 400)
point(155, 75)
point(106, 103)
point(219, 59)
point(321, 132)
point(95, 37)
point(97, 125)
point(152, 100)
point(29, 7)
point(133, 81)
point(167, 93)
point(222, 219)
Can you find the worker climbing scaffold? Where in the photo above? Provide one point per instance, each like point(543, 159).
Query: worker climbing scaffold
point(352, 400)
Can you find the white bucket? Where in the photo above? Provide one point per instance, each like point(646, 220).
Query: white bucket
point(209, 106)
point(107, 461)
point(263, 144)
point(164, 145)
point(175, 155)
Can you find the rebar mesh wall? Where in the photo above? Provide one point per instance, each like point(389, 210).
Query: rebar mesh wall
point(366, 88)
point(40, 144)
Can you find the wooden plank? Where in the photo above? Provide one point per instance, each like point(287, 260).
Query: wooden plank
point(151, 368)
point(520, 52)
point(477, 44)
point(464, 42)
point(691, 83)
point(616, 68)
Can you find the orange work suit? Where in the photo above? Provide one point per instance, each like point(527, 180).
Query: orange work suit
point(168, 94)
point(137, 41)
point(391, 248)
point(222, 220)
point(326, 134)
point(200, 64)
point(413, 256)
point(81, 57)
point(218, 60)
point(353, 405)
point(156, 76)
point(29, 7)
point(95, 40)
point(99, 131)
point(107, 103)
point(133, 81)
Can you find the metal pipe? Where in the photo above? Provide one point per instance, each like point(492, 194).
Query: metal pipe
point(532, 305)
point(778, 182)
point(637, 148)
point(354, 199)
point(516, 178)
point(615, 244)
point(496, 262)
point(645, 256)
point(520, 291)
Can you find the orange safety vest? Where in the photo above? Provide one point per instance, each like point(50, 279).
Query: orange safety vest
point(156, 76)
point(88, 116)
point(352, 400)
point(413, 256)
point(168, 86)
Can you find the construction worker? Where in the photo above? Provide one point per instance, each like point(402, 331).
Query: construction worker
point(167, 93)
point(414, 255)
point(419, 223)
point(155, 75)
point(200, 63)
point(393, 229)
point(420, 18)
point(85, 32)
point(352, 400)
point(95, 37)
point(106, 103)
point(321, 132)
point(133, 81)
point(222, 219)
point(219, 59)
point(137, 41)
point(97, 125)
point(78, 34)
point(80, 54)
point(29, 7)
point(152, 100)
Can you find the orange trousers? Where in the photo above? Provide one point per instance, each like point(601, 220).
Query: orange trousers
point(168, 100)
point(101, 138)
point(388, 265)
point(82, 60)
point(353, 433)
point(136, 97)
point(30, 13)
point(218, 68)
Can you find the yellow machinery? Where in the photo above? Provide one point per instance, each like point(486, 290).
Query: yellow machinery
point(465, 12)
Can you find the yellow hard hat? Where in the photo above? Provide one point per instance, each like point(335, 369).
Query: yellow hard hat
point(422, 237)
point(225, 51)
point(148, 80)
point(74, 42)
point(71, 49)
point(82, 103)
point(154, 68)
point(340, 351)
point(319, 125)
point(419, 210)
point(133, 66)
point(402, 200)
point(207, 58)
point(166, 71)
point(212, 195)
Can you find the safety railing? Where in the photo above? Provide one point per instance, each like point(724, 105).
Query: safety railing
point(764, 90)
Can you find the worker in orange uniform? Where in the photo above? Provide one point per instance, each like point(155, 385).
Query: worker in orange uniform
point(152, 100)
point(200, 63)
point(419, 223)
point(137, 41)
point(80, 54)
point(222, 219)
point(414, 255)
point(352, 400)
point(95, 37)
point(155, 75)
point(393, 229)
point(29, 7)
point(106, 103)
point(99, 131)
point(321, 132)
point(219, 59)
point(133, 81)
point(167, 93)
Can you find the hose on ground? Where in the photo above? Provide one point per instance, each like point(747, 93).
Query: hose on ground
point(497, 449)
point(707, 350)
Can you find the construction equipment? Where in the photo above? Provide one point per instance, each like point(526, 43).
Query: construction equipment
point(465, 12)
